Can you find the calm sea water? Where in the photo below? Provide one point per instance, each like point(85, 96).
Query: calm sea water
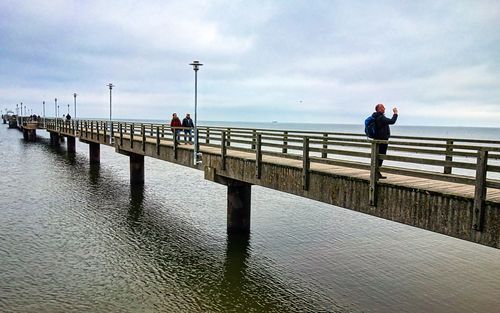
point(78, 238)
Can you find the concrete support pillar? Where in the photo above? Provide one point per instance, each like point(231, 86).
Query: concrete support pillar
point(95, 152)
point(54, 139)
point(238, 207)
point(29, 134)
point(71, 145)
point(136, 169)
point(32, 135)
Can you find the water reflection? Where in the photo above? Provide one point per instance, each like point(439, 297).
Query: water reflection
point(136, 202)
point(94, 174)
point(235, 265)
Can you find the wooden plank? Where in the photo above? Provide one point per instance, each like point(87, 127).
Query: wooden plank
point(374, 172)
point(258, 156)
point(305, 165)
point(480, 191)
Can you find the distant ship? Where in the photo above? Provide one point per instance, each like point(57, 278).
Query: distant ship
point(274, 122)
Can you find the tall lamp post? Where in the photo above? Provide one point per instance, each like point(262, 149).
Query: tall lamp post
point(196, 66)
point(110, 85)
point(43, 103)
point(68, 108)
point(55, 107)
point(74, 96)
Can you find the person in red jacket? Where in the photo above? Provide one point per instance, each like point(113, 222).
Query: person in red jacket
point(174, 123)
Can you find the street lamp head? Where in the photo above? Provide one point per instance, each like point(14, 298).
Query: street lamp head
point(196, 65)
point(110, 85)
point(74, 95)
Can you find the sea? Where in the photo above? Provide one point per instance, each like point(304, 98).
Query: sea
point(76, 237)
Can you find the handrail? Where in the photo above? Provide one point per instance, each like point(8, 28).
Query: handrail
point(334, 146)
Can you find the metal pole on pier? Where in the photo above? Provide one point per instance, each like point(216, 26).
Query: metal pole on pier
point(110, 85)
point(196, 66)
point(74, 96)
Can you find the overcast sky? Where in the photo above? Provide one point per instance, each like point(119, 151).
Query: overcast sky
point(290, 61)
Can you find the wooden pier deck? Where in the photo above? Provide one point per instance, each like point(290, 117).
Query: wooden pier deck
point(445, 185)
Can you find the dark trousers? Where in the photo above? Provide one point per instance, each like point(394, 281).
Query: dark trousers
point(187, 135)
point(177, 133)
point(382, 149)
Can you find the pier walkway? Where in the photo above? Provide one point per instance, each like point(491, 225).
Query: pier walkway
point(445, 185)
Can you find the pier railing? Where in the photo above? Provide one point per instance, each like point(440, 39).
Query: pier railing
point(455, 160)
point(427, 157)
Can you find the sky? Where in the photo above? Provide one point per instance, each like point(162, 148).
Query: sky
point(310, 61)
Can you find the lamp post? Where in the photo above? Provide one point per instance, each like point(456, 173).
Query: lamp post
point(196, 66)
point(74, 96)
point(55, 107)
point(43, 103)
point(68, 108)
point(110, 85)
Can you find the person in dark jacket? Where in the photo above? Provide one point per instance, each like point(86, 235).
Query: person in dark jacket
point(187, 122)
point(383, 132)
point(174, 123)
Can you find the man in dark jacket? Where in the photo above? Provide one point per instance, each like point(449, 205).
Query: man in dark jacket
point(383, 132)
point(188, 123)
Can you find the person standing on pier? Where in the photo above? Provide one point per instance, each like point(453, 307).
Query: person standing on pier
point(174, 123)
point(187, 122)
point(383, 131)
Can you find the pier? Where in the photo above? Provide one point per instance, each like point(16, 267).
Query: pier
point(445, 185)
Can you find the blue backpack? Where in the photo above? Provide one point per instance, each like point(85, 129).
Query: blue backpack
point(370, 127)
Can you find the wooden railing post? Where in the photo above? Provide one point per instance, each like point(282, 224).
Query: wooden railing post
point(86, 130)
point(162, 131)
point(285, 142)
point(228, 143)
point(480, 190)
point(158, 140)
point(120, 129)
point(105, 128)
point(92, 129)
point(97, 129)
point(305, 164)
point(132, 136)
point(325, 146)
point(143, 134)
point(152, 131)
point(223, 150)
point(258, 156)
point(448, 157)
point(207, 139)
point(374, 173)
point(254, 134)
point(176, 143)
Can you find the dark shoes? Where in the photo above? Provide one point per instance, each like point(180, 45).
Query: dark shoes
point(379, 176)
